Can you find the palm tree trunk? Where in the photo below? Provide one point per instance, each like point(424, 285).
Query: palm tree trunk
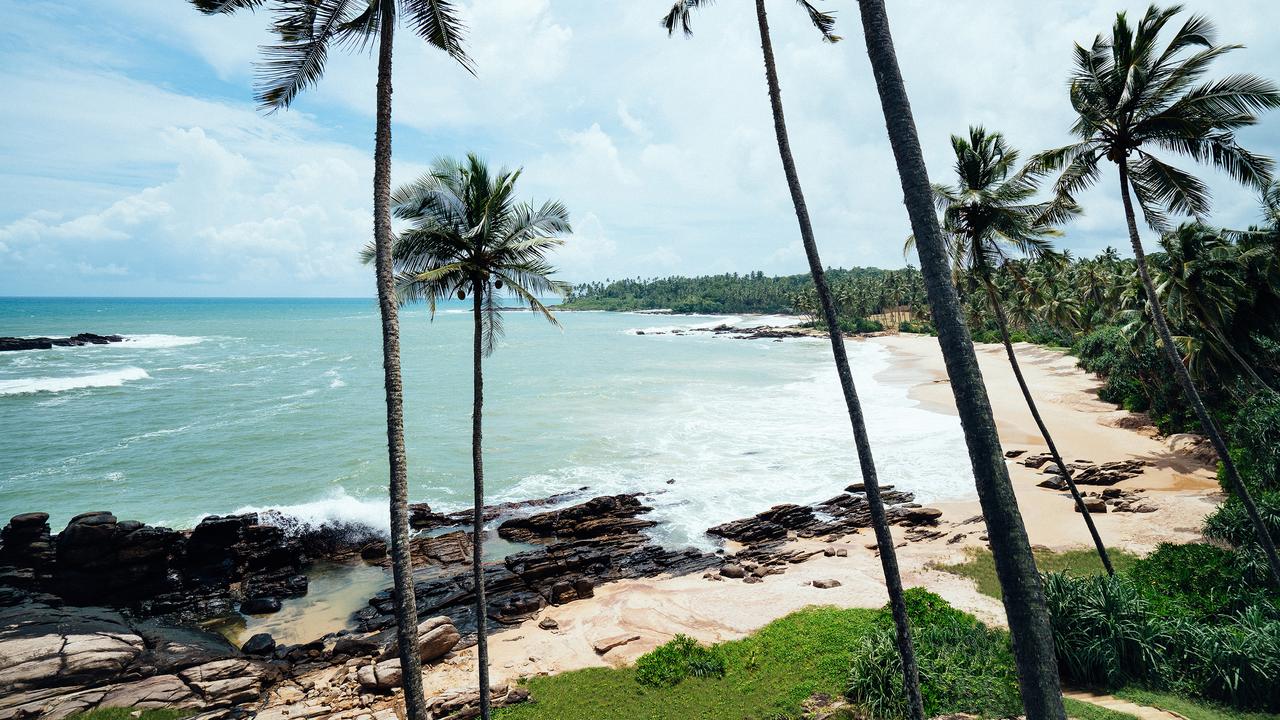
point(884, 538)
point(1189, 387)
point(1003, 322)
point(406, 608)
point(1015, 565)
point(477, 474)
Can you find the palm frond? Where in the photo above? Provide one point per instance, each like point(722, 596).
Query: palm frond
point(437, 22)
point(824, 21)
point(305, 29)
point(226, 7)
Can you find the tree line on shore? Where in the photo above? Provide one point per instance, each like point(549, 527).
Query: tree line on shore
point(1135, 99)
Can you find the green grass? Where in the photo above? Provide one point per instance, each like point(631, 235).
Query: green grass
point(1191, 709)
point(127, 714)
point(981, 567)
point(1088, 711)
point(767, 675)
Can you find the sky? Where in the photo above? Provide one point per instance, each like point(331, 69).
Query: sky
point(133, 161)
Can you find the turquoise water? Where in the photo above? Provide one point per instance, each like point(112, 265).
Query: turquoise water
point(214, 406)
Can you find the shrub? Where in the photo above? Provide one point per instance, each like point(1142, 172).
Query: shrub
point(1255, 433)
point(964, 665)
point(1196, 580)
point(678, 659)
point(1108, 632)
point(916, 326)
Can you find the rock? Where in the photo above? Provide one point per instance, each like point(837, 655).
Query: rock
point(733, 570)
point(915, 516)
point(547, 623)
point(826, 584)
point(260, 606)
point(1197, 446)
point(1092, 504)
point(1013, 453)
point(380, 677)
point(357, 646)
point(8, 344)
point(842, 552)
point(752, 579)
point(436, 637)
point(1051, 468)
point(1057, 482)
point(600, 516)
point(605, 645)
point(259, 644)
point(376, 550)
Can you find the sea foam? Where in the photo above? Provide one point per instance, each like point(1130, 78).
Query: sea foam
point(110, 378)
point(157, 342)
point(338, 509)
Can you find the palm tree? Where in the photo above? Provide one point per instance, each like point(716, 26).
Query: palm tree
point(1132, 99)
point(306, 30)
point(679, 17)
point(468, 235)
point(988, 213)
point(1015, 565)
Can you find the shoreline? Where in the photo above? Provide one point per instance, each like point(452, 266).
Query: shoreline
point(616, 618)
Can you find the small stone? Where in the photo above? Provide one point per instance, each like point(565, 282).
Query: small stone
point(733, 570)
point(751, 580)
point(548, 624)
point(826, 584)
point(842, 552)
point(605, 645)
point(260, 606)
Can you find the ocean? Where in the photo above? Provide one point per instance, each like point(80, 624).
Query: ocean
point(215, 406)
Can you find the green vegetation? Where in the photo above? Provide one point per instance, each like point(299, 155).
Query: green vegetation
point(766, 675)
point(964, 665)
point(680, 658)
point(858, 294)
point(1088, 711)
point(981, 567)
point(771, 673)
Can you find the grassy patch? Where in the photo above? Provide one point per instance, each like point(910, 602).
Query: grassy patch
point(1088, 711)
point(127, 714)
point(981, 566)
point(1191, 709)
point(767, 675)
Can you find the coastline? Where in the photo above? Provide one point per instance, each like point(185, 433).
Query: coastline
point(653, 610)
point(624, 613)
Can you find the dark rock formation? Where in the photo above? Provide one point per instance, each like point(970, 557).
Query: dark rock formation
point(841, 515)
point(591, 543)
point(1084, 472)
point(598, 517)
point(101, 560)
point(46, 343)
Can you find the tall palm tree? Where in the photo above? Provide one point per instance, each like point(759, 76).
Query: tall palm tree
point(1132, 99)
point(987, 214)
point(1015, 565)
point(306, 30)
point(679, 17)
point(468, 235)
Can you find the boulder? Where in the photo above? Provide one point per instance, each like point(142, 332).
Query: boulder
point(599, 516)
point(259, 644)
point(384, 676)
point(260, 606)
point(826, 584)
point(436, 637)
point(733, 570)
point(1091, 504)
point(604, 645)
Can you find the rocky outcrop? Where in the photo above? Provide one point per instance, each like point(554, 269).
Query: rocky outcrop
point(101, 560)
point(1084, 472)
point(46, 343)
point(587, 544)
point(56, 661)
point(841, 515)
point(598, 517)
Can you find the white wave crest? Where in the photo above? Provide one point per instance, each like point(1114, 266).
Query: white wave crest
point(110, 378)
point(156, 341)
point(338, 510)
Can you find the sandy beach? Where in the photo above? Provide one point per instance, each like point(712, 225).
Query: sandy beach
point(647, 613)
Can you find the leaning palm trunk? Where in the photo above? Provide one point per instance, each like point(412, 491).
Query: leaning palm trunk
point(884, 538)
point(1188, 387)
point(406, 607)
point(1015, 566)
point(1003, 322)
point(477, 522)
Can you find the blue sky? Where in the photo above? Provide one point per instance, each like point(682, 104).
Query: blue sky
point(134, 161)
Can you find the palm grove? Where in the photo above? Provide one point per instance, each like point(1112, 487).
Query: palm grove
point(1188, 333)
